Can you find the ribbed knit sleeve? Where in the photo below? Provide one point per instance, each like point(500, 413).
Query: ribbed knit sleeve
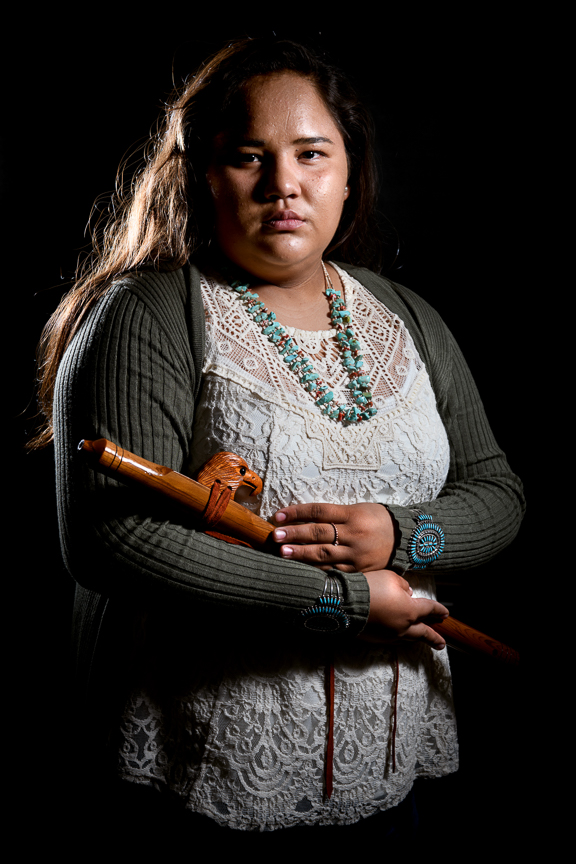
point(130, 376)
point(481, 505)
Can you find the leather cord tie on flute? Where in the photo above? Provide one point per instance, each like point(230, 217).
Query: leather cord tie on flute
point(217, 502)
point(215, 508)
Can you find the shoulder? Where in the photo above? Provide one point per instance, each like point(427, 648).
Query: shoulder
point(159, 306)
point(166, 295)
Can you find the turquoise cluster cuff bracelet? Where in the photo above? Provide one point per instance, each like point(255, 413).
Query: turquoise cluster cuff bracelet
point(326, 614)
point(426, 542)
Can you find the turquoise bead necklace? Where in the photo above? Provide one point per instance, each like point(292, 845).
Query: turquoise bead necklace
point(300, 364)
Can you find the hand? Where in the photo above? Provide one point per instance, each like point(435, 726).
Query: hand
point(396, 615)
point(365, 535)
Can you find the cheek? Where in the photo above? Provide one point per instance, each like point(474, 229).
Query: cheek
point(214, 183)
point(224, 187)
point(331, 188)
point(229, 201)
point(330, 199)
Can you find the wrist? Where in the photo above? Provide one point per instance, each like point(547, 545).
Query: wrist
point(326, 615)
point(419, 538)
point(396, 536)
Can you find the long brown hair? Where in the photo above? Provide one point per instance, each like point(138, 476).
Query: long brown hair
point(164, 219)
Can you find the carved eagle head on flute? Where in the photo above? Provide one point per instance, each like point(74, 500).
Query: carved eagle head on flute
point(231, 470)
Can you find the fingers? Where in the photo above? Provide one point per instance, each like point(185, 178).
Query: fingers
point(317, 554)
point(308, 534)
point(311, 532)
point(423, 633)
point(311, 513)
point(316, 543)
point(414, 633)
point(396, 615)
point(427, 612)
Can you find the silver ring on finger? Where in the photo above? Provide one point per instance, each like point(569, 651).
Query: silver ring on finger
point(335, 541)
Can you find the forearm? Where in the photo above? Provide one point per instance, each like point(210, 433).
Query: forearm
point(478, 520)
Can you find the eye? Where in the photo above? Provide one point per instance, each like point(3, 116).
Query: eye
point(243, 470)
point(247, 158)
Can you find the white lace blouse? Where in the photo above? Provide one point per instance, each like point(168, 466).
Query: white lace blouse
point(246, 746)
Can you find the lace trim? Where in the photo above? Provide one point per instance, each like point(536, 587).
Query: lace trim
point(235, 342)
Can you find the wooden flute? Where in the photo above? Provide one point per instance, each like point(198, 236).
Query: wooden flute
point(240, 523)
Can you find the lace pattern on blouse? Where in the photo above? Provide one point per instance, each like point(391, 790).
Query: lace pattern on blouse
point(246, 744)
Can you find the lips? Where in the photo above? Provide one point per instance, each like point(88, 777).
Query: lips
point(285, 220)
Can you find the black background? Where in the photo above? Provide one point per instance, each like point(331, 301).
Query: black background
point(447, 106)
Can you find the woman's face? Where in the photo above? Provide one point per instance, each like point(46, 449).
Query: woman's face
point(278, 180)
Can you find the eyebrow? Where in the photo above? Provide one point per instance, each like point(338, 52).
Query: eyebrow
point(257, 142)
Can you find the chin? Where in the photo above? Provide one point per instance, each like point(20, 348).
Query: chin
point(286, 250)
point(267, 256)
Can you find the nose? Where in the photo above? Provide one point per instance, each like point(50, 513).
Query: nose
point(281, 179)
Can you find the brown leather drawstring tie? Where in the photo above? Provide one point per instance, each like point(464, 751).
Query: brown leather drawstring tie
point(394, 708)
point(329, 766)
point(325, 616)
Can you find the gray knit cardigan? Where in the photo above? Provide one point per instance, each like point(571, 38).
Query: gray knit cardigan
point(133, 373)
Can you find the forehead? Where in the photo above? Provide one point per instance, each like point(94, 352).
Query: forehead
point(283, 103)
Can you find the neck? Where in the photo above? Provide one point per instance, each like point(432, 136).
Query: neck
point(311, 283)
point(295, 293)
point(298, 300)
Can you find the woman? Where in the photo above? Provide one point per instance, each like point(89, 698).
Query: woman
point(216, 319)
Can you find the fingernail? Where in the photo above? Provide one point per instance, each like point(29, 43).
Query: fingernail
point(286, 551)
point(280, 517)
point(279, 534)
